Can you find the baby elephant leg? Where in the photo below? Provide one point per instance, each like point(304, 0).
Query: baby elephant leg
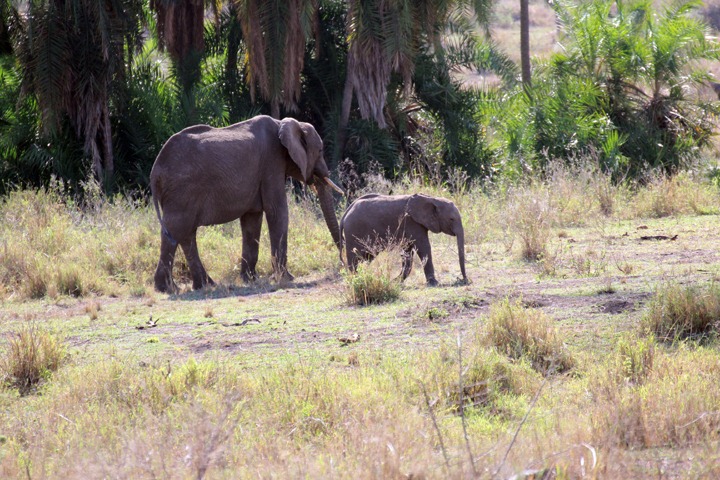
point(425, 253)
point(407, 262)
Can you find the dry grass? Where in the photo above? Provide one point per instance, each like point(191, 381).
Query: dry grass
point(531, 217)
point(377, 281)
point(50, 246)
point(527, 333)
point(683, 312)
point(680, 194)
point(673, 404)
point(32, 355)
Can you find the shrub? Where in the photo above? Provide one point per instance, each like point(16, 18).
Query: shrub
point(635, 359)
point(374, 282)
point(531, 218)
point(678, 313)
point(32, 355)
point(527, 333)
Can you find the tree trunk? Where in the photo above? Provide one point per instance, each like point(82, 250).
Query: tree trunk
point(525, 42)
point(108, 160)
point(344, 117)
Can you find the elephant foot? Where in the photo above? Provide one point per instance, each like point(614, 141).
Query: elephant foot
point(248, 277)
point(285, 276)
point(165, 284)
point(197, 285)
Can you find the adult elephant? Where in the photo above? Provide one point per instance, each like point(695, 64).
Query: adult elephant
point(207, 176)
point(374, 222)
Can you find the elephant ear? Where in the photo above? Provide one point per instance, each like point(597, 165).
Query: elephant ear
point(293, 139)
point(423, 210)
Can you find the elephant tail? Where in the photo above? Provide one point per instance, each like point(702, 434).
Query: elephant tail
point(163, 228)
point(342, 242)
point(340, 247)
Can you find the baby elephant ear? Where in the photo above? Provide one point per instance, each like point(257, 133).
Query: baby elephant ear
point(293, 138)
point(423, 210)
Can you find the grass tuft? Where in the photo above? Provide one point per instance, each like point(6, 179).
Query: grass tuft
point(376, 282)
point(371, 285)
point(528, 333)
point(678, 313)
point(531, 219)
point(31, 356)
point(636, 357)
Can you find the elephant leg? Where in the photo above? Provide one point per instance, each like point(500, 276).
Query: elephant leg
point(407, 262)
point(197, 270)
point(278, 228)
point(163, 273)
point(425, 253)
point(352, 253)
point(251, 224)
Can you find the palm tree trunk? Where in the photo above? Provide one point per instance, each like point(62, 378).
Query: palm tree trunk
point(344, 117)
point(108, 159)
point(525, 41)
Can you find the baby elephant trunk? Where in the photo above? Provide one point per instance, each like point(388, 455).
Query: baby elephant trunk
point(461, 252)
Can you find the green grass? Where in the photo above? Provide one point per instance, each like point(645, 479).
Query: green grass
point(237, 380)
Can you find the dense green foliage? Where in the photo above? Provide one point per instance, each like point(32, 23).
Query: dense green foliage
point(623, 87)
point(95, 88)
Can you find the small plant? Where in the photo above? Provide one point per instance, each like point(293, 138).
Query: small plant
point(530, 217)
point(678, 313)
point(589, 264)
point(375, 282)
point(92, 308)
point(372, 284)
point(70, 281)
point(635, 359)
point(608, 288)
point(624, 266)
point(31, 356)
point(436, 313)
point(527, 333)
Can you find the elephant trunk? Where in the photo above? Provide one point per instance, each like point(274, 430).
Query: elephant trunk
point(461, 252)
point(328, 208)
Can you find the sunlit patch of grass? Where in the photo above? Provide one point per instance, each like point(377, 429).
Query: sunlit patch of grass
point(528, 333)
point(683, 312)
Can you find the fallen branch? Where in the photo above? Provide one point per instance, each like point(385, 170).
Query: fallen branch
point(658, 237)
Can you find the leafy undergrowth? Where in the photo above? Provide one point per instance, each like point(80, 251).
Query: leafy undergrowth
point(291, 380)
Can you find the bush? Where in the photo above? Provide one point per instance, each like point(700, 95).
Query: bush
point(528, 333)
point(374, 282)
point(531, 218)
point(635, 359)
point(32, 355)
point(678, 313)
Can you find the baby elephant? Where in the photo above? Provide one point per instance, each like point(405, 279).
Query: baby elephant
point(374, 221)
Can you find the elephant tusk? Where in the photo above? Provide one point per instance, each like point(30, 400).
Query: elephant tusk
point(333, 186)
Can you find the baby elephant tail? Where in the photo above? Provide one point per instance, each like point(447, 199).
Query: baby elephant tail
point(340, 246)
